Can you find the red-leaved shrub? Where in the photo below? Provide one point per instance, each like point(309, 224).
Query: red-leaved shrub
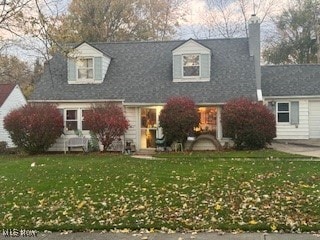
point(34, 128)
point(107, 121)
point(250, 124)
point(178, 118)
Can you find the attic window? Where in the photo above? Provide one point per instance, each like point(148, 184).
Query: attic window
point(191, 65)
point(85, 68)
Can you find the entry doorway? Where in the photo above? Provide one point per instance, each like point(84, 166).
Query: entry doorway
point(150, 130)
point(208, 121)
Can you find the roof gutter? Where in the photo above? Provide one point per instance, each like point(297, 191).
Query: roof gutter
point(162, 104)
point(114, 100)
point(76, 101)
point(292, 97)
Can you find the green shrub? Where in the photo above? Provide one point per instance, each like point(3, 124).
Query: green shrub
point(250, 124)
point(94, 142)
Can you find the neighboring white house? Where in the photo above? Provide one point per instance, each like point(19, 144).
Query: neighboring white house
point(11, 97)
point(293, 92)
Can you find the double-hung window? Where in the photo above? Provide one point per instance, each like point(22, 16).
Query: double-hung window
point(84, 125)
point(283, 112)
point(71, 120)
point(74, 120)
point(191, 65)
point(85, 68)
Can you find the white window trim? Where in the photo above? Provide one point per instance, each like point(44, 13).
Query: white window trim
point(65, 119)
point(85, 80)
point(277, 112)
point(182, 66)
point(79, 120)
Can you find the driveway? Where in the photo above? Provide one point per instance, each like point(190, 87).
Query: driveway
point(309, 147)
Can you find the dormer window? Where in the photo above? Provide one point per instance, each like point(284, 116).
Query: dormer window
point(191, 62)
point(85, 68)
point(191, 65)
point(87, 65)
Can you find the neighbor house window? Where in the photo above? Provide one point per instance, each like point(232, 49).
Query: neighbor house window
point(85, 68)
point(283, 113)
point(191, 65)
point(71, 120)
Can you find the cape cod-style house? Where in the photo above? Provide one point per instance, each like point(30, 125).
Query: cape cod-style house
point(141, 76)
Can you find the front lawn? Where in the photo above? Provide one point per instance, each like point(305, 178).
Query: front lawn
point(261, 190)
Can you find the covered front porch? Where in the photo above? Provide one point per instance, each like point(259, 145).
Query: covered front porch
point(150, 130)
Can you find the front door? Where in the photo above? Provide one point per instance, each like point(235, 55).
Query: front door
point(149, 127)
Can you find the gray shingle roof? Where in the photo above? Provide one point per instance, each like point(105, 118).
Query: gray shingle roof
point(141, 72)
point(291, 80)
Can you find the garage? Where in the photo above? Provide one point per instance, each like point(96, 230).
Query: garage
point(314, 119)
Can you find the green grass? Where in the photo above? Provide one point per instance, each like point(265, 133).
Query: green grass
point(259, 190)
point(257, 154)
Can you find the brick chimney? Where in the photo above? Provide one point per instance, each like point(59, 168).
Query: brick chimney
point(254, 49)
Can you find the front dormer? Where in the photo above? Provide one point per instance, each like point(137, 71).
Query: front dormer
point(87, 65)
point(191, 62)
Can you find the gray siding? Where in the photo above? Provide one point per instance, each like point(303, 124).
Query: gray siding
point(205, 65)
point(177, 67)
point(72, 70)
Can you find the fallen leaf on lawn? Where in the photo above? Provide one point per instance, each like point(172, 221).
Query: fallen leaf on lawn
point(81, 204)
point(217, 207)
point(273, 227)
point(253, 222)
point(213, 219)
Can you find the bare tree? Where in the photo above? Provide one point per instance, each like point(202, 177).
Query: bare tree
point(161, 17)
point(11, 11)
point(221, 18)
point(35, 28)
point(229, 18)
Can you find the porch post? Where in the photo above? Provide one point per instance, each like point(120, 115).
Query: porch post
point(138, 127)
point(219, 126)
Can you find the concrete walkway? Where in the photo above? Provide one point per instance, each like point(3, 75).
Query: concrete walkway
point(168, 236)
point(310, 147)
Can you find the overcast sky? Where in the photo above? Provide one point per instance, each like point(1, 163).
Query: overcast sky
point(196, 16)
